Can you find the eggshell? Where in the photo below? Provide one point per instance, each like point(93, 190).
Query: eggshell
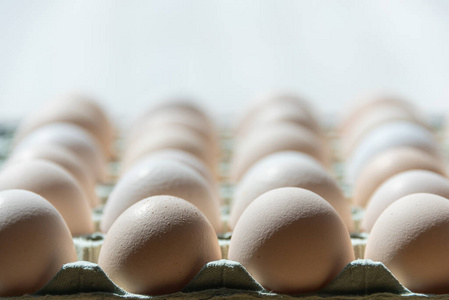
point(400, 185)
point(158, 245)
point(282, 137)
point(34, 242)
point(171, 138)
point(162, 177)
point(396, 134)
point(73, 138)
point(57, 186)
point(388, 163)
point(75, 109)
point(289, 169)
point(373, 119)
point(410, 239)
point(64, 158)
point(291, 241)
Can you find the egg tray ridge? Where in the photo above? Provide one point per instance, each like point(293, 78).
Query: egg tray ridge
point(360, 279)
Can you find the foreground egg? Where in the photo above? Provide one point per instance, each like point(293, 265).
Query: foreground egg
point(158, 245)
point(57, 186)
point(289, 169)
point(291, 241)
point(389, 163)
point(400, 185)
point(411, 239)
point(73, 138)
point(64, 158)
point(280, 137)
point(162, 177)
point(34, 242)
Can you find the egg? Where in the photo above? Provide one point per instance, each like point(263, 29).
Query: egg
point(266, 102)
point(75, 109)
point(34, 242)
point(283, 113)
point(174, 118)
point(387, 136)
point(400, 185)
point(388, 163)
point(64, 158)
point(410, 239)
point(291, 241)
point(281, 137)
point(289, 169)
point(162, 177)
point(73, 138)
point(180, 156)
point(57, 186)
point(158, 245)
point(171, 138)
point(376, 117)
point(367, 104)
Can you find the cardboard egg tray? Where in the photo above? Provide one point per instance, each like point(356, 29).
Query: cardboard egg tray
point(361, 279)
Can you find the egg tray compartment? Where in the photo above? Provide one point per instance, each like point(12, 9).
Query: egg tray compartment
point(360, 279)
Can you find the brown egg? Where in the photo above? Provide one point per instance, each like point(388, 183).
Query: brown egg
point(410, 239)
point(75, 109)
point(388, 163)
point(34, 243)
point(291, 241)
point(158, 245)
point(57, 186)
point(400, 185)
point(162, 177)
point(281, 137)
point(64, 158)
point(73, 138)
point(170, 138)
point(289, 169)
point(374, 118)
point(388, 136)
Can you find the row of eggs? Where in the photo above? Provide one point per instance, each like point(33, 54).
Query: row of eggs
point(260, 227)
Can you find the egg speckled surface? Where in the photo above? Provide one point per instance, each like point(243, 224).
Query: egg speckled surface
point(289, 169)
point(34, 242)
point(411, 239)
point(57, 186)
point(162, 177)
point(400, 185)
point(158, 245)
point(291, 241)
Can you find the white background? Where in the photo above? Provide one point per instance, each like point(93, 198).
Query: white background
point(131, 53)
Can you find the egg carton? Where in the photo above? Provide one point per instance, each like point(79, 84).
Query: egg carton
point(225, 279)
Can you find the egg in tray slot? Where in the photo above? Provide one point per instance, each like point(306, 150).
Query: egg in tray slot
point(278, 167)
